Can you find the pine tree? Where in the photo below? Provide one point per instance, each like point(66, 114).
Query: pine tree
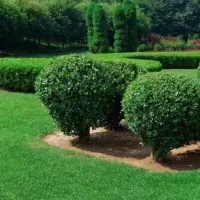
point(100, 43)
point(121, 30)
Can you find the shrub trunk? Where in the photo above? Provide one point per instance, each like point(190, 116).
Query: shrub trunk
point(158, 155)
point(84, 136)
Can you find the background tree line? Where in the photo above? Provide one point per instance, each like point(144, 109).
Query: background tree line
point(63, 21)
point(54, 21)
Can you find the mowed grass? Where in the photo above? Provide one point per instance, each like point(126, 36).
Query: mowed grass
point(192, 73)
point(32, 170)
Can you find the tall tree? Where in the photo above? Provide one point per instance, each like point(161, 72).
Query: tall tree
point(121, 29)
point(89, 23)
point(100, 43)
point(130, 12)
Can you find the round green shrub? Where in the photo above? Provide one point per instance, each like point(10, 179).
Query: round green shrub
point(142, 48)
point(75, 89)
point(164, 109)
point(158, 47)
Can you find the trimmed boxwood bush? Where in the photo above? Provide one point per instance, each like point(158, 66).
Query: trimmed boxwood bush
point(164, 109)
point(122, 74)
point(76, 90)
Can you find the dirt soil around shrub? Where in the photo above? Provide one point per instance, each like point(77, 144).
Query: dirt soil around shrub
point(126, 148)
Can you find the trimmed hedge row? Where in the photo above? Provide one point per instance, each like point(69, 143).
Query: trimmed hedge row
point(19, 74)
point(171, 60)
point(143, 65)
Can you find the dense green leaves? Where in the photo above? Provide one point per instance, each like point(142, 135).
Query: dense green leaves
point(60, 22)
point(12, 23)
point(175, 17)
point(164, 109)
point(76, 91)
point(122, 74)
point(19, 74)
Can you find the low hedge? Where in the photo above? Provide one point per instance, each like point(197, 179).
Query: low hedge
point(171, 60)
point(19, 74)
point(142, 65)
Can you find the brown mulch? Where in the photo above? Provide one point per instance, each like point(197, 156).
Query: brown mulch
point(126, 148)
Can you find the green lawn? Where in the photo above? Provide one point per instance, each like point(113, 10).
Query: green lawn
point(188, 72)
point(34, 171)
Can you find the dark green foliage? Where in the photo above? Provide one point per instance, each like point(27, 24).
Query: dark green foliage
point(100, 43)
point(89, 23)
point(76, 91)
point(158, 47)
point(18, 79)
point(122, 74)
point(144, 47)
point(19, 74)
point(130, 12)
point(39, 21)
point(54, 22)
point(68, 22)
point(172, 60)
point(12, 23)
point(175, 17)
point(121, 30)
point(164, 109)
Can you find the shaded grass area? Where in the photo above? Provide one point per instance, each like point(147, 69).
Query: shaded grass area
point(32, 170)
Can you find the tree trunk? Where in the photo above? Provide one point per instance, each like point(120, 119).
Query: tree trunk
point(84, 137)
point(158, 155)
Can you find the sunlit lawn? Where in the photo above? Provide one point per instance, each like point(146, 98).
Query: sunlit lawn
point(188, 72)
